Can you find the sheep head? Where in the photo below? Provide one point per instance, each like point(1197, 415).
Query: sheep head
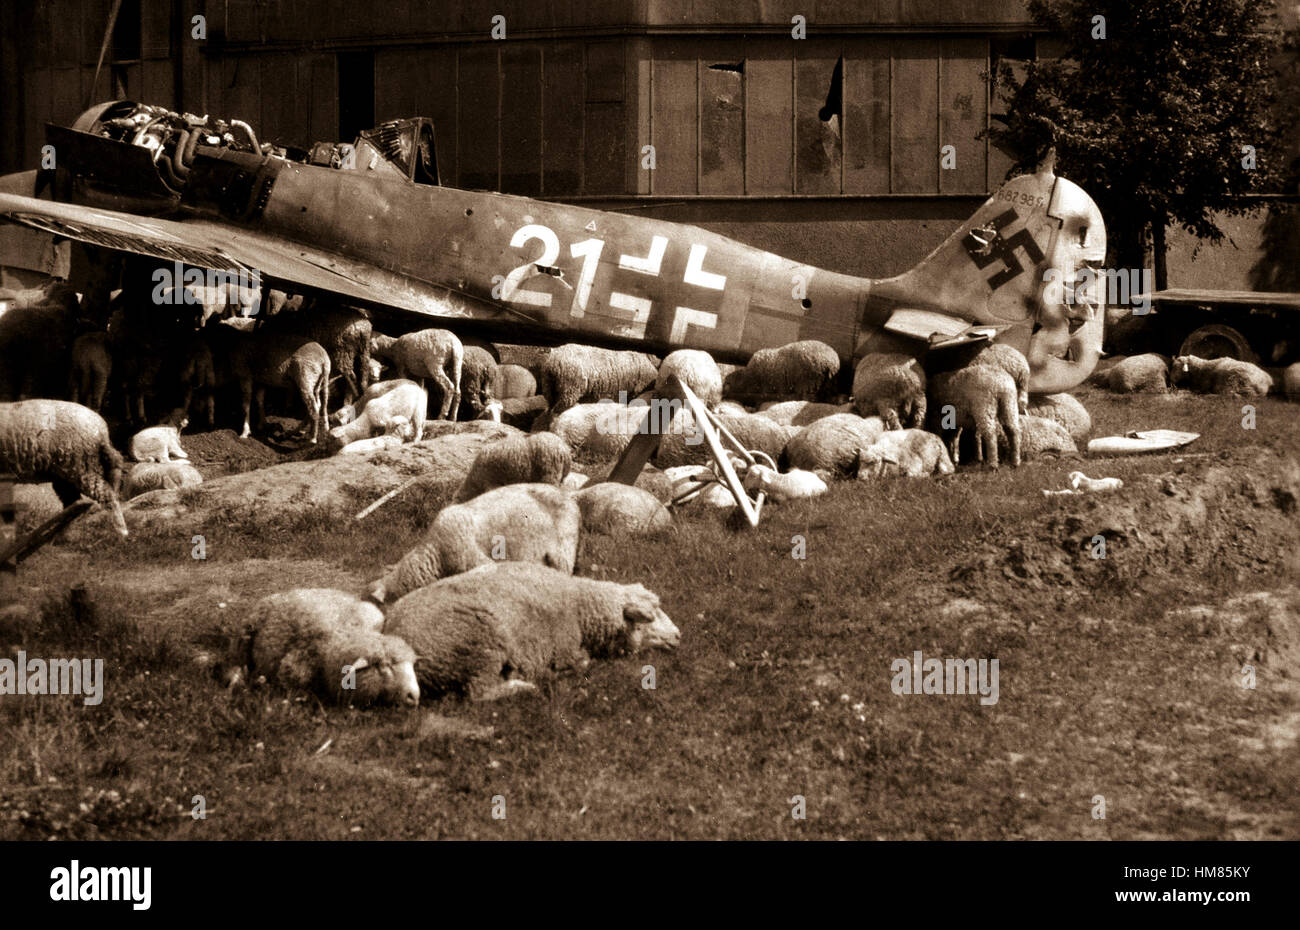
point(386, 679)
point(648, 627)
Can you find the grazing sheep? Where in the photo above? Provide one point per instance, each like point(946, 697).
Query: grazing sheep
point(406, 401)
point(493, 632)
point(429, 353)
point(980, 397)
point(573, 373)
point(161, 443)
point(90, 366)
point(1009, 359)
point(683, 443)
point(833, 444)
point(1291, 381)
point(1139, 374)
point(803, 370)
point(695, 369)
point(517, 523)
point(147, 476)
point(65, 443)
point(621, 510)
point(344, 332)
point(795, 484)
point(513, 381)
point(799, 412)
point(281, 360)
point(538, 458)
point(1220, 376)
point(476, 377)
point(912, 453)
point(1066, 410)
point(329, 642)
point(890, 385)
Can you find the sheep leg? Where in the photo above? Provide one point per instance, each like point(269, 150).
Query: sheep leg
point(502, 689)
point(889, 414)
point(987, 435)
point(309, 393)
point(98, 388)
point(955, 444)
point(447, 389)
point(246, 399)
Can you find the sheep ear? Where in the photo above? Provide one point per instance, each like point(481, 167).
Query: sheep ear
point(360, 663)
point(641, 607)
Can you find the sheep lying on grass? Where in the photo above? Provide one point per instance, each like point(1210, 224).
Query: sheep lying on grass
point(803, 370)
point(798, 412)
point(1039, 438)
point(695, 369)
point(912, 453)
point(1139, 374)
point(1220, 376)
point(152, 476)
point(795, 484)
point(891, 386)
point(493, 632)
point(398, 411)
point(517, 523)
point(621, 510)
point(65, 443)
point(1066, 410)
point(574, 373)
point(329, 642)
point(683, 443)
point(434, 354)
point(980, 397)
point(539, 458)
point(833, 443)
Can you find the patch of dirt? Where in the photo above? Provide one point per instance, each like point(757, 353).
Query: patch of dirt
point(1239, 514)
point(222, 452)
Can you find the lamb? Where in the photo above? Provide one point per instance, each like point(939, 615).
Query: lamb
point(1066, 410)
point(539, 458)
point(513, 381)
point(476, 377)
point(427, 353)
point(891, 385)
point(400, 410)
point(281, 360)
point(1009, 359)
point(494, 632)
point(795, 484)
point(683, 443)
point(833, 444)
point(330, 642)
point(517, 523)
point(798, 412)
point(152, 476)
point(349, 412)
point(1139, 374)
point(161, 443)
point(65, 443)
point(345, 334)
point(695, 369)
point(982, 397)
point(800, 370)
point(90, 367)
point(574, 373)
point(621, 509)
point(912, 453)
point(1220, 376)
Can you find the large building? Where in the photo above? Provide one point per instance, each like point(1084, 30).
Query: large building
point(827, 148)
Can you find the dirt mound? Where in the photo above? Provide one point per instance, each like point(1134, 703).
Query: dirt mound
point(222, 452)
point(324, 488)
point(1239, 516)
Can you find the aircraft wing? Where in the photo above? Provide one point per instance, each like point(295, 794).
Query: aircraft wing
point(223, 247)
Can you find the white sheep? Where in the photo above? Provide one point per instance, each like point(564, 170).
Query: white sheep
point(1139, 374)
point(575, 481)
point(890, 385)
point(574, 373)
point(406, 403)
point(695, 369)
point(833, 444)
point(1013, 362)
point(159, 443)
point(599, 432)
point(476, 377)
point(795, 484)
point(912, 453)
point(729, 408)
point(683, 442)
point(152, 476)
point(517, 523)
point(513, 381)
point(436, 354)
point(981, 397)
point(1040, 436)
point(494, 632)
point(621, 509)
point(1066, 410)
point(798, 412)
point(800, 370)
point(538, 458)
point(1220, 376)
point(329, 641)
point(1081, 482)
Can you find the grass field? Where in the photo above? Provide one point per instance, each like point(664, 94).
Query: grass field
point(1112, 682)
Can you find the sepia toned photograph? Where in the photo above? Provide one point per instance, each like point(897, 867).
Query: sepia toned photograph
point(653, 420)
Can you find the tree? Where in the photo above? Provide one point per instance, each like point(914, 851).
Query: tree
point(1163, 110)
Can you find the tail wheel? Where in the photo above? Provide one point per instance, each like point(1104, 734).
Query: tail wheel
point(1216, 341)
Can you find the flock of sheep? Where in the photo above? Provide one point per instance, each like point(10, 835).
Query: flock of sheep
point(487, 600)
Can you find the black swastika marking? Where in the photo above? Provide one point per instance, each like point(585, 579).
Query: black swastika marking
point(984, 253)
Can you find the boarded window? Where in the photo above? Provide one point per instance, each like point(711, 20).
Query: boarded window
point(819, 118)
point(866, 119)
point(915, 96)
point(722, 128)
point(962, 114)
point(769, 132)
point(673, 123)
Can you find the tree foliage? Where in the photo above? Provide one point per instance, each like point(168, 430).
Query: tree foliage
point(1149, 107)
